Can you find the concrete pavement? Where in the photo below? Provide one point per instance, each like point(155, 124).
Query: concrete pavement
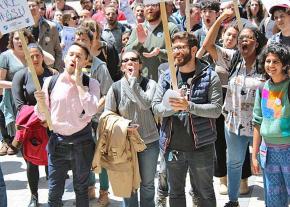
point(14, 170)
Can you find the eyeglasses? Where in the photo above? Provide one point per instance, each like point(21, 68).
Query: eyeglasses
point(75, 18)
point(179, 48)
point(42, 8)
point(247, 37)
point(133, 59)
point(152, 5)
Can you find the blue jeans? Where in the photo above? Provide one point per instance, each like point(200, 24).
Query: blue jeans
point(162, 189)
point(78, 158)
point(236, 152)
point(147, 167)
point(200, 163)
point(277, 176)
point(3, 196)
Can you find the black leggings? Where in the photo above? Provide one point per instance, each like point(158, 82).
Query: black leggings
point(33, 176)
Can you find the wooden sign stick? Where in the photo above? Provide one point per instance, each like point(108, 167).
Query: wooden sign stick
point(187, 14)
point(34, 77)
point(168, 45)
point(238, 16)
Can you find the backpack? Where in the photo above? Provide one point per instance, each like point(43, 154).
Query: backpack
point(52, 82)
point(117, 90)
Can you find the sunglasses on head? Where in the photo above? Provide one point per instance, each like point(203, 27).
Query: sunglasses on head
point(133, 59)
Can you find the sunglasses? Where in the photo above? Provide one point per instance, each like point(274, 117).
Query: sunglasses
point(75, 18)
point(42, 8)
point(133, 59)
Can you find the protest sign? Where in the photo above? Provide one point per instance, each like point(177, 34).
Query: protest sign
point(237, 12)
point(14, 15)
point(187, 14)
point(67, 38)
point(168, 45)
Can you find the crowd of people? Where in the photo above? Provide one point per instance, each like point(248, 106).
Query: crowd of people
point(114, 112)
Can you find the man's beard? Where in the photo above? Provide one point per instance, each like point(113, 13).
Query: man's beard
point(185, 60)
point(152, 17)
point(89, 8)
point(111, 22)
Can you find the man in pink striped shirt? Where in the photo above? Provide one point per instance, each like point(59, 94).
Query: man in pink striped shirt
point(71, 146)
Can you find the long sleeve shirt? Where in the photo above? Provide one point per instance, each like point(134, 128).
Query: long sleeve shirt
point(66, 104)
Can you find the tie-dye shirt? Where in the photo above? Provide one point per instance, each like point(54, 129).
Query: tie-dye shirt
point(272, 112)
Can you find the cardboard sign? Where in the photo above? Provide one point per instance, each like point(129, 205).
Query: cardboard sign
point(67, 38)
point(14, 15)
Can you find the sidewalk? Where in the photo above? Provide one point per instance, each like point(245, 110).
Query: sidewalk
point(14, 170)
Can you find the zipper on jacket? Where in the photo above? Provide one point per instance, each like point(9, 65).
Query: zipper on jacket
point(167, 142)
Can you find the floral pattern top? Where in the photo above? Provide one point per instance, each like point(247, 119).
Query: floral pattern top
point(240, 97)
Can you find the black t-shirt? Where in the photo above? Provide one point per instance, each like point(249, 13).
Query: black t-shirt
point(285, 40)
point(35, 32)
point(182, 137)
point(112, 61)
point(23, 87)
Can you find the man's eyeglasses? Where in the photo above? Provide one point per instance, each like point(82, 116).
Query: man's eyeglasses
point(75, 18)
point(247, 37)
point(133, 59)
point(179, 48)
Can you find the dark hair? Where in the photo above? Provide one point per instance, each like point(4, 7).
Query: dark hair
point(84, 31)
point(195, 5)
point(282, 51)
point(82, 1)
point(234, 26)
point(260, 38)
point(127, 32)
point(212, 5)
point(38, 47)
point(26, 34)
point(83, 46)
point(279, 8)
point(92, 25)
point(260, 14)
point(188, 36)
point(133, 51)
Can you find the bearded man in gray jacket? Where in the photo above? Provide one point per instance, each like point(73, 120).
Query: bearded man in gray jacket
point(188, 131)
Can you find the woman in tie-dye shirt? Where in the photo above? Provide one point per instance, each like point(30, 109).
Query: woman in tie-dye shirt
point(271, 120)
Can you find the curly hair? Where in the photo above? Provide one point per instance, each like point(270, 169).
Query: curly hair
point(260, 38)
point(282, 52)
point(212, 5)
point(188, 36)
point(260, 14)
point(26, 34)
